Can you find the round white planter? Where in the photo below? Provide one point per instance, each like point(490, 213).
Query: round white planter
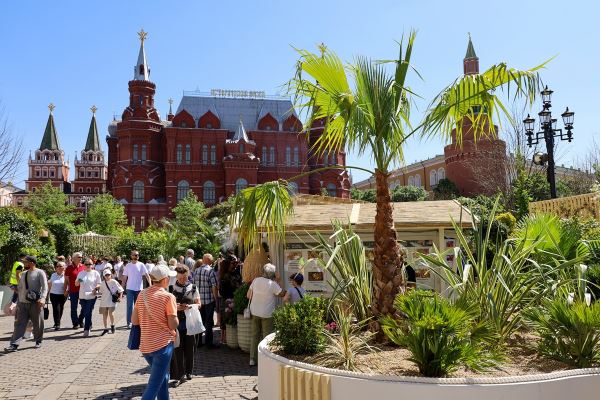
point(280, 378)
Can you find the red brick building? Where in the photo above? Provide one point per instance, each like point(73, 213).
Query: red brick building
point(212, 145)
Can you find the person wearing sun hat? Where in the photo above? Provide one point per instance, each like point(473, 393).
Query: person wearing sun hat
point(108, 289)
point(156, 312)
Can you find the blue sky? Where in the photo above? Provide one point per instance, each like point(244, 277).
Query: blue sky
point(79, 53)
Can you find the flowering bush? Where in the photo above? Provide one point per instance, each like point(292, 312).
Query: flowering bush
point(229, 315)
point(331, 327)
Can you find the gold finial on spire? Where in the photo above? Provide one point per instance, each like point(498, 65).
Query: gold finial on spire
point(94, 109)
point(143, 35)
point(51, 107)
point(322, 49)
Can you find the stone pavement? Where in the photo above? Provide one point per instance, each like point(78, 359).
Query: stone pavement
point(69, 366)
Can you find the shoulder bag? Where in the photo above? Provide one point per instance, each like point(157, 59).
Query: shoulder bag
point(299, 292)
point(114, 296)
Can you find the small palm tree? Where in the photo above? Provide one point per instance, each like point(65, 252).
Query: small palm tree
point(367, 108)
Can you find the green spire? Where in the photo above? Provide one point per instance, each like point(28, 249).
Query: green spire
point(93, 143)
point(50, 139)
point(470, 50)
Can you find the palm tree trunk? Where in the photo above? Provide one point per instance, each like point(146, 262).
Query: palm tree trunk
point(387, 268)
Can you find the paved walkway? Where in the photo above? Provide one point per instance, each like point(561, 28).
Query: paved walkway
point(69, 366)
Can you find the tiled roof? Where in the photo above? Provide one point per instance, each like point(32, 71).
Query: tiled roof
point(93, 143)
point(231, 110)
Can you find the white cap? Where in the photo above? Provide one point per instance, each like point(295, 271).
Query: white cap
point(107, 271)
point(160, 272)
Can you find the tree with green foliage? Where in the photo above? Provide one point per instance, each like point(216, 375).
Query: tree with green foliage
point(189, 215)
point(521, 192)
point(366, 107)
point(48, 202)
point(22, 230)
point(445, 190)
point(105, 215)
point(408, 193)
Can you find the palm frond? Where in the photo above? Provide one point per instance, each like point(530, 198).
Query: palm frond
point(473, 97)
point(261, 208)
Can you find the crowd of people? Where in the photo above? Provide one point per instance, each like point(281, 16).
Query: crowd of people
point(158, 295)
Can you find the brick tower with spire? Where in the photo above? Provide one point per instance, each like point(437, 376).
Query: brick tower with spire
point(476, 167)
point(48, 163)
point(136, 150)
point(90, 168)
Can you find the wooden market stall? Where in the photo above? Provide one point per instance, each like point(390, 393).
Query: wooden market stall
point(420, 225)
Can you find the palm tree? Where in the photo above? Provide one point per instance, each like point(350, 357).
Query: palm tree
point(373, 115)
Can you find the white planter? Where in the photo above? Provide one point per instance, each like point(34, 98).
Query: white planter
point(304, 381)
point(231, 335)
point(5, 295)
point(243, 333)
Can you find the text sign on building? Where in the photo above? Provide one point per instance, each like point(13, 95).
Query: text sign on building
point(255, 94)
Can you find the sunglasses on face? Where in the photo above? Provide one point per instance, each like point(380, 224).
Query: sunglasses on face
point(88, 265)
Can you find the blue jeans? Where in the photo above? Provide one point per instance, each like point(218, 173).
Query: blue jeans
point(132, 296)
point(87, 307)
point(158, 383)
point(74, 299)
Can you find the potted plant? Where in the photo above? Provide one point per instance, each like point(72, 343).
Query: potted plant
point(230, 319)
point(240, 302)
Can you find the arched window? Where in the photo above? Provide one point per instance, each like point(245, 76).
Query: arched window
point(188, 154)
point(208, 195)
point(183, 187)
point(80, 190)
point(272, 156)
point(433, 178)
point(89, 190)
point(411, 181)
point(179, 154)
point(135, 153)
point(331, 189)
point(213, 154)
point(240, 185)
point(51, 172)
point(204, 154)
point(143, 152)
point(96, 190)
point(263, 159)
point(288, 156)
point(296, 156)
point(441, 174)
point(418, 180)
point(293, 186)
point(333, 160)
point(138, 192)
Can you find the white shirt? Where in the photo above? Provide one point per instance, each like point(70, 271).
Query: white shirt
point(88, 281)
point(102, 267)
point(118, 268)
point(264, 292)
point(106, 299)
point(135, 275)
point(58, 283)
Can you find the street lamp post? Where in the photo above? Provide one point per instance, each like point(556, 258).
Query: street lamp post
point(548, 132)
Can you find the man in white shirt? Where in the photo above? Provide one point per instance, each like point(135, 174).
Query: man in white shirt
point(118, 267)
point(133, 282)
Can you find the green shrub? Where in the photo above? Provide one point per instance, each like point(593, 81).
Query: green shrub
point(593, 276)
point(240, 301)
point(440, 336)
point(299, 326)
point(408, 193)
point(568, 332)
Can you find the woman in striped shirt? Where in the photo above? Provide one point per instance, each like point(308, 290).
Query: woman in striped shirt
point(156, 312)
